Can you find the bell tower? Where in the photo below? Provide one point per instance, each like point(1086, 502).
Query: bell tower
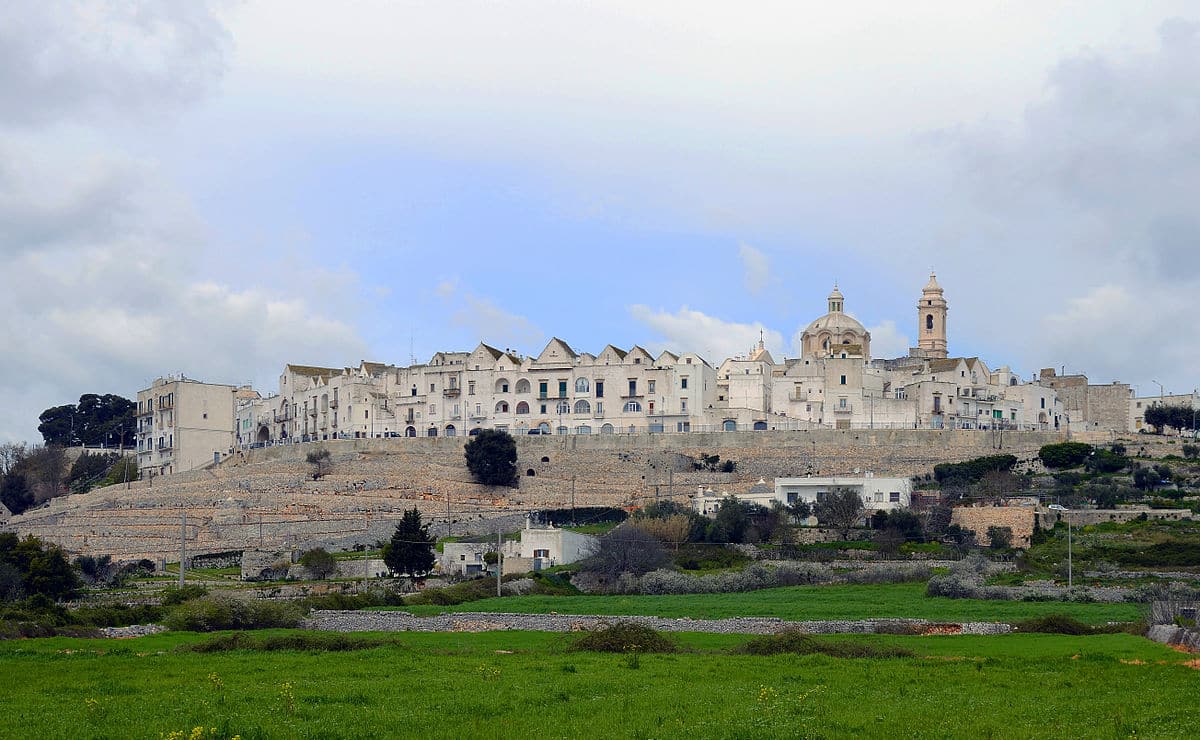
point(931, 320)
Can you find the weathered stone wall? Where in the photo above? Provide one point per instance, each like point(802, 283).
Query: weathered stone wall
point(978, 518)
point(266, 498)
point(1108, 407)
point(1085, 517)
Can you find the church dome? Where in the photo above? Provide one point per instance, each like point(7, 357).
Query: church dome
point(835, 329)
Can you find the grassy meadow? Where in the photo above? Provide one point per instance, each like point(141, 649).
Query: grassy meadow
point(801, 603)
point(528, 684)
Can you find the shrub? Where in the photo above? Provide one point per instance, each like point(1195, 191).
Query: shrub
point(320, 460)
point(953, 586)
point(319, 563)
point(222, 612)
point(1000, 538)
point(965, 473)
point(1191, 452)
point(1064, 454)
point(799, 643)
point(1065, 624)
point(172, 595)
point(306, 641)
point(625, 637)
point(491, 458)
point(626, 549)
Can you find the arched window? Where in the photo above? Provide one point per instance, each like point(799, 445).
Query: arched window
point(929, 322)
point(760, 426)
point(410, 432)
point(450, 430)
point(633, 407)
point(522, 408)
point(544, 427)
point(583, 429)
point(502, 385)
point(560, 430)
point(730, 425)
point(583, 407)
point(825, 343)
point(502, 407)
point(522, 386)
point(607, 429)
point(564, 407)
point(432, 432)
point(582, 385)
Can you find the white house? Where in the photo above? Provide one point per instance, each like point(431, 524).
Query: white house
point(877, 493)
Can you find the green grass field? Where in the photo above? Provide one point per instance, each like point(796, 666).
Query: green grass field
point(530, 685)
point(801, 603)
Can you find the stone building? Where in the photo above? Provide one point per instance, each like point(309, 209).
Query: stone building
point(183, 424)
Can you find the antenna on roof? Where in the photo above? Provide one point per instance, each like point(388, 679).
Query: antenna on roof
point(412, 354)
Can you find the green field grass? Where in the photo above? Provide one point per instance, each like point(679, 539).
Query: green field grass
point(517, 684)
point(800, 603)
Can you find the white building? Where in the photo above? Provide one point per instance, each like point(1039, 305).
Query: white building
point(538, 547)
point(877, 493)
point(183, 424)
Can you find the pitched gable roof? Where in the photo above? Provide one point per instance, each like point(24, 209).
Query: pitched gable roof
point(557, 351)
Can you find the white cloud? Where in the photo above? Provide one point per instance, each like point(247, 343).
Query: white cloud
point(715, 339)
point(756, 269)
point(102, 284)
point(487, 322)
point(887, 341)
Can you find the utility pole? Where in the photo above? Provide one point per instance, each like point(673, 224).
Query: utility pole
point(1070, 573)
point(260, 531)
point(573, 495)
point(499, 558)
point(182, 547)
point(671, 484)
point(447, 513)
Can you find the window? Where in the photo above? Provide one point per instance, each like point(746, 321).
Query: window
point(683, 384)
point(431, 387)
point(541, 553)
point(633, 387)
point(599, 389)
point(894, 497)
point(564, 407)
point(583, 407)
point(456, 409)
point(683, 405)
point(502, 407)
point(543, 389)
point(843, 380)
point(929, 323)
point(650, 386)
point(842, 403)
point(470, 387)
point(522, 386)
point(583, 429)
point(633, 407)
point(432, 409)
point(522, 408)
point(600, 407)
point(1043, 403)
point(582, 385)
point(414, 390)
point(543, 408)
point(562, 389)
point(683, 426)
point(502, 386)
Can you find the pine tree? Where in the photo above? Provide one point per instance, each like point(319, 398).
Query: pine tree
point(411, 548)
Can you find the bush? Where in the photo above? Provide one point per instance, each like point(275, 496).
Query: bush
point(1065, 624)
point(172, 596)
point(798, 643)
point(625, 637)
point(1064, 454)
point(306, 641)
point(491, 458)
point(971, 471)
point(626, 549)
point(319, 563)
point(1191, 452)
point(222, 612)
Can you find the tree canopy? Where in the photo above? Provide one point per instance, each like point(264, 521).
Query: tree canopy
point(492, 458)
point(1178, 417)
point(840, 509)
point(410, 550)
point(96, 420)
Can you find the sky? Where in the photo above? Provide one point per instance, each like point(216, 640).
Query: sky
point(219, 188)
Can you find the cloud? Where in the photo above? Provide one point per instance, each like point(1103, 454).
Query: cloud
point(687, 330)
point(756, 269)
point(887, 341)
point(73, 59)
point(487, 322)
point(1084, 213)
point(109, 277)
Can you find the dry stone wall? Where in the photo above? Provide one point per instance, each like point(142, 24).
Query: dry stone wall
point(266, 498)
point(978, 518)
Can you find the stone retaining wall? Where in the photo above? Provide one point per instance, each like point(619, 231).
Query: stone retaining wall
point(400, 621)
point(978, 518)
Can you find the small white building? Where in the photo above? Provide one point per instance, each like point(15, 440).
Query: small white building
point(877, 493)
point(538, 547)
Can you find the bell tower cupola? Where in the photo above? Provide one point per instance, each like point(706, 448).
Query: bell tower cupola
point(931, 320)
point(836, 300)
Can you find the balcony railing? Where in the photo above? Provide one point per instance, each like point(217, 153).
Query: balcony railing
point(312, 412)
point(281, 417)
point(452, 392)
point(333, 404)
point(847, 409)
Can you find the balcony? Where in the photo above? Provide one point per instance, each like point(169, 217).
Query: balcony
point(847, 409)
point(282, 417)
point(312, 412)
point(333, 404)
point(452, 392)
point(165, 403)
